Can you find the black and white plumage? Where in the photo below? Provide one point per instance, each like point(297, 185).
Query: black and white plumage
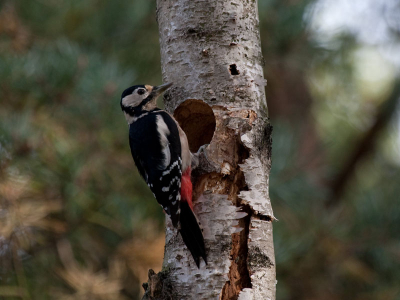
point(161, 153)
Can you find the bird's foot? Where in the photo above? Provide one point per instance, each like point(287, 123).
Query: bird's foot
point(196, 156)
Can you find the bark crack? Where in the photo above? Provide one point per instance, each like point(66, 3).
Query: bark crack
point(263, 217)
point(239, 275)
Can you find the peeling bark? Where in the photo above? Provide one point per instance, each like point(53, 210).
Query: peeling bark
point(211, 51)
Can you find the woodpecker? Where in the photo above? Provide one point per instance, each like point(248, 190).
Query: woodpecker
point(160, 150)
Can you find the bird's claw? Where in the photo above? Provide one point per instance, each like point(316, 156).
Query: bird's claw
point(196, 156)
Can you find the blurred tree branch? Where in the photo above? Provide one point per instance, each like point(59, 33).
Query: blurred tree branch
point(367, 145)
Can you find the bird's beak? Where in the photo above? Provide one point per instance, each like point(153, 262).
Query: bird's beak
point(158, 90)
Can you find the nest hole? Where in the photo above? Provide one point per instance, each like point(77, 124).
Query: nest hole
point(197, 120)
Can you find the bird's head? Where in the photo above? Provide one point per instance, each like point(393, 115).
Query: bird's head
point(141, 97)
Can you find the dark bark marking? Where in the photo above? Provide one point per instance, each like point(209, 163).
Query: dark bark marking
point(264, 141)
point(257, 259)
point(207, 33)
point(158, 286)
point(233, 69)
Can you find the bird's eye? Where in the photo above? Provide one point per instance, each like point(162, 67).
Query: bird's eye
point(140, 91)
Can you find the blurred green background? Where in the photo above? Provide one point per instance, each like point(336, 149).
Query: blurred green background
point(77, 222)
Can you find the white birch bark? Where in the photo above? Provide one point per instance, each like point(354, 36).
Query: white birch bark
point(211, 50)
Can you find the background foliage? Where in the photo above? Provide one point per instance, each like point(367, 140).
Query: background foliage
point(76, 221)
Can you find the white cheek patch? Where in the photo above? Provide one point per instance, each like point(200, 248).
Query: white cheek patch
point(164, 133)
point(131, 100)
point(134, 99)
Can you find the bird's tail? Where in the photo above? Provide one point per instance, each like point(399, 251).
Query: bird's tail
point(191, 233)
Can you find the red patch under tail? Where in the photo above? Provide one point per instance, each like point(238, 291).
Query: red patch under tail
point(187, 187)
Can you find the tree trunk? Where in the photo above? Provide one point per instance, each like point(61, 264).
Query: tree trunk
point(211, 51)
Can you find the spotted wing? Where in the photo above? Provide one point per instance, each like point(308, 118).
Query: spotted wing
point(156, 150)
